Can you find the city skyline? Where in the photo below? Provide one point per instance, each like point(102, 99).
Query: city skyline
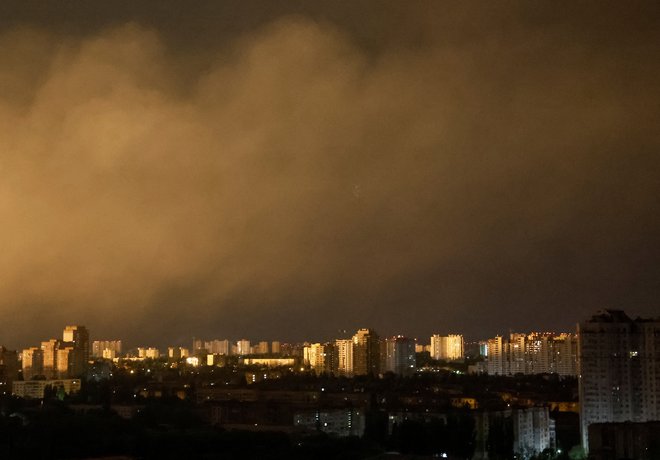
point(440, 345)
point(185, 340)
point(270, 168)
point(607, 373)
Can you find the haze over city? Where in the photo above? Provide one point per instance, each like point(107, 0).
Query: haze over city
point(286, 171)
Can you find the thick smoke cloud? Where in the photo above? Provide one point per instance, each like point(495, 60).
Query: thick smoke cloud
point(471, 173)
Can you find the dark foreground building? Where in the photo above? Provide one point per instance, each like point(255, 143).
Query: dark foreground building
point(619, 362)
point(624, 441)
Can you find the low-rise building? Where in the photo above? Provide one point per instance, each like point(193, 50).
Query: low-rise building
point(35, 389)
point(339, 422)
point(269, 362)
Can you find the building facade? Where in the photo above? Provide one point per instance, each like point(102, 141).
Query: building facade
point(366, 353)
point(448, 348)
point(8, 369)
point(49, 349)
point(32, 362)
point(320, 357)
point(243, 347)
point(99, 348)
point(619, 365)
point(399, 355)
point(36, 389)
point(533, 353)
point(77, 338)
point(344, 357)
point(338, 422)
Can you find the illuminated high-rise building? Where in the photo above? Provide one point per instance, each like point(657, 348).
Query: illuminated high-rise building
point(275, 347)
point(538, 353)
point(619, 370)
point(533, 353)
point(366, 353)
point(495, 364)
point(243, 347)
point(344, 357)
point(78, 337)
point(400, 355)
point(262, 348)
point(49, 349)
point(32, 361)
point(65, 361)
point(449, 347)
point(436, 346)
point(515, 349)
point(320, 357)
point(224, 347)
point(148, 352)
point(455, 350)
point(175, 353)
point(218, 347)
point(109, 353)
point(483, 348)
point(99, 347)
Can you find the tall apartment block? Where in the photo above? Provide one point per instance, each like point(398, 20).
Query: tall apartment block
point(106, 348)
point(77, 338)
point(8, 369)
point(262, 348)
point(398, 355)
point(243, 347)
point(449, 347)
point(533, 353)
point(218, 347)
point(344, 357)
point(320, 357)
point(366, 352)
point(49, 349)
point(619, 366)
point(67, 361)
point(275, 347)
point(32, 361)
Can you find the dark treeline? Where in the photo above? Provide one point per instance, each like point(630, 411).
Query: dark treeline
point(84, 425)
point(162, 430)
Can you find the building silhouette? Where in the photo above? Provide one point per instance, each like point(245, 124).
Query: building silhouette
point(366, 353)
point(399, 355)
point(619, 365)
point(76, 338)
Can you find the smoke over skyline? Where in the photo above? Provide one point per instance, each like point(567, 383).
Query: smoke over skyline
point(283, 172)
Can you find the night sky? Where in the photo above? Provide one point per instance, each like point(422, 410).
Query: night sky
point(287, 170)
